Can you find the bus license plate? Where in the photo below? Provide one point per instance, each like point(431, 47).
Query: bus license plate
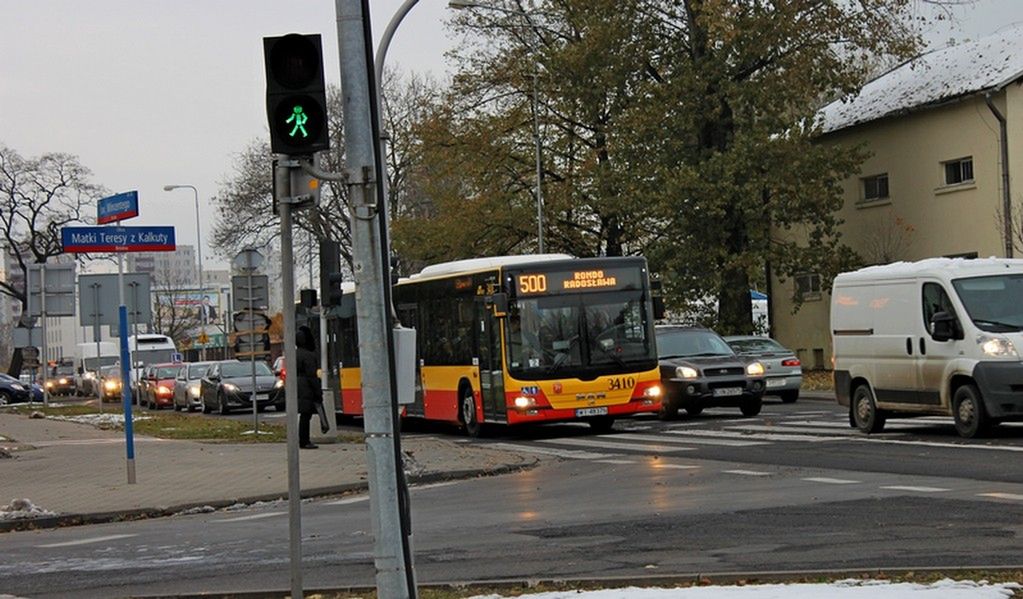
point(772, 383)
point(727, 391)
point(591, 412)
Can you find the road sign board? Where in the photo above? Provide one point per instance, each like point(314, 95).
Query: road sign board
point(241, 293)
point(118, 207)
point(98, 298)
point(27, 337)
point(117, 239)
point(30, 357)
point(60, 289)
point(203, 338)
point(251, 321)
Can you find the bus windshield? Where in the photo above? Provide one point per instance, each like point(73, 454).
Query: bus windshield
point(555, 336)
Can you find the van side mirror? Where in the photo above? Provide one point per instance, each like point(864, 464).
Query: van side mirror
point(944, 327)
point(81, 370)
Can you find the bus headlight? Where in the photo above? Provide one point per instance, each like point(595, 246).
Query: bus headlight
point(686, 372)
point(652, 391)
point(998, 347)
point(523, 402)
point(755, 369)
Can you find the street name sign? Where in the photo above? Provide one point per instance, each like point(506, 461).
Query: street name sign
point(117, 239)
point(118, 207)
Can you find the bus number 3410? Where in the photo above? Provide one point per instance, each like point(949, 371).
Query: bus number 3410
point(621, 382)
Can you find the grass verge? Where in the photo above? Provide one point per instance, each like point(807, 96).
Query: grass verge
point(818, 380)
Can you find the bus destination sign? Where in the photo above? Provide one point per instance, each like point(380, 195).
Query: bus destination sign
point(592, 279)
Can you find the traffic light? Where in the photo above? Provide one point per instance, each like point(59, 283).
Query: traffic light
point(296, 100)
point(330, 273)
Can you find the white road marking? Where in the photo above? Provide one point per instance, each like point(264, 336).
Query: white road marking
point(756, 436)
point(916, 489)
point(609, 445)
point(675, 466)
point(250, 517)
point(86, 541)
point(762, 428)
point(815, 413)
point(747, 472)
point(446, 483)
point(831, 481)
point(93, 441)
point(561, 453)
point(700, 441)
point(872, 439)
point(1011, 496)
point(616, 462)
point(349, 500)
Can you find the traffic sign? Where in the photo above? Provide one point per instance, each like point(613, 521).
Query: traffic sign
point(30, 357)
point(60, 289)
point(117, 239)
point(203, 338)
point(118, 207)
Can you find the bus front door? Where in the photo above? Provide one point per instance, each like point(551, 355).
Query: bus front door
point(491, 372)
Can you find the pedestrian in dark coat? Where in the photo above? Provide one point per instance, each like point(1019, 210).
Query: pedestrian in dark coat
point(310, 401)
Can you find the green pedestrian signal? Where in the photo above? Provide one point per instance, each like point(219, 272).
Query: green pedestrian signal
point(299, 118)
point(296, 102)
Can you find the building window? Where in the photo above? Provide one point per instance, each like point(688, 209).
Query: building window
point(808, 286)
point(958, 171)
point(875, 188)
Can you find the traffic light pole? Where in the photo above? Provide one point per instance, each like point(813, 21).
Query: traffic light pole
point(372, 311)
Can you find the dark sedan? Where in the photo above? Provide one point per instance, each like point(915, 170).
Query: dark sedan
point(13, 391)
point(699, 370)
point(228, 384)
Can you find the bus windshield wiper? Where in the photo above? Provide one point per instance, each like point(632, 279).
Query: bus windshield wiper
point(612, 355)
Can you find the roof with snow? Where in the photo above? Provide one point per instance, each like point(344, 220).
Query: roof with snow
point(936, 267)
point(937, 77)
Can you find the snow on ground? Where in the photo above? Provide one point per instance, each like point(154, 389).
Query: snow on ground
point(844, 589)
point(101, 420)
point(20, 509)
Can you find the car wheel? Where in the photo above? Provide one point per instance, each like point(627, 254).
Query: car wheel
point(473, 427)
point(222, 405)
point(6, 398)
point(602, 424)
point(751, 407)
point(789, 396)
point(694, 410)
point(865, 414)
point(968, 411)
point(668, 411)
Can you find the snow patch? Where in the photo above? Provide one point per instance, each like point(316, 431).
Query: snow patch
point(21, 509)
point(101, 420)
point(844, 589)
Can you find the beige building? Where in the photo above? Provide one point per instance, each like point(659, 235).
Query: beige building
point(939, 130)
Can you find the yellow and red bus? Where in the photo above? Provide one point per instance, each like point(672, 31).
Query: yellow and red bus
point(523, 340)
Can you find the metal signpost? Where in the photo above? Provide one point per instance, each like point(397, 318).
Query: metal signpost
point(120, 240)
point(250, 323)
point(60, 287)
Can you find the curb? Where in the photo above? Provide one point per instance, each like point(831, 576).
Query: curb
point(63, 520)
point(695, 579)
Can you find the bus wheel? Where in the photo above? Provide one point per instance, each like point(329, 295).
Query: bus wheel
point(473, 427)
point(602, 424)
point(968, 411)
point(864, 411)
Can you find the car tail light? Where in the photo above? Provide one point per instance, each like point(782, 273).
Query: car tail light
point(790, 362)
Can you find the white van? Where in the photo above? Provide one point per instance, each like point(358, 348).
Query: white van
point(939, 336)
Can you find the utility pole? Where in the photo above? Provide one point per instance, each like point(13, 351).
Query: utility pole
point(370, 263)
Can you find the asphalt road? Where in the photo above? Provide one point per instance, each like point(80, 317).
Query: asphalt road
point(792, 489)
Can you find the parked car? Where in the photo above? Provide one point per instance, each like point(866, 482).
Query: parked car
point(158, 385)
point(13, 391)
point(110, 377)
point(699, 370)
point(186, 386)
point(228, 384)
point(783, 373)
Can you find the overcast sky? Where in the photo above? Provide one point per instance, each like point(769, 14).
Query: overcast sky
point(154, 92)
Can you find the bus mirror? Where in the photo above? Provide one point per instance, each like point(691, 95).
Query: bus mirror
point(658, 308)
point(499, 304)
point(656, 296)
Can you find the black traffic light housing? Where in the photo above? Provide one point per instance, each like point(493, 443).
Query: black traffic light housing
point(296, 99)
point(330, 273)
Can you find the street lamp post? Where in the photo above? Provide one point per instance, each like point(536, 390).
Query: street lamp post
point(463, 4)
point(198, 249)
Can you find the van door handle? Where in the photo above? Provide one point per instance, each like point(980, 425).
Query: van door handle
point(909, 345)
point(923, 348)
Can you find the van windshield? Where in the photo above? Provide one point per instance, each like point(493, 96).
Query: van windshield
point(993, 302)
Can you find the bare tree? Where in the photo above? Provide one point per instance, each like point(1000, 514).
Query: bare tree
point(888, 241)
point(173, 314)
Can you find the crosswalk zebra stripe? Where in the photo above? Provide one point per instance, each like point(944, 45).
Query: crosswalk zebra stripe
point(916, 489)
point(1011, 496)
point(628, 446)
point(763, 428)
point(700, 441)
point(754, 436)
point(616, 462)
point(747, 472)
point(561, 453)
point(873, 439)
point(830, 481)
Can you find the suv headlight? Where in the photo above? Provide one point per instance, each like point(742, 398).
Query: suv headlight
point(998, 347)
point(194, 390)
point(230, 388)
point(686, 372)
point(278, 384)
point(755, 369)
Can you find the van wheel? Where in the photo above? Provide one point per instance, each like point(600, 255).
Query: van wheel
point(472, 425)
point(864, 411)
point(751, 407)
point(968, 410)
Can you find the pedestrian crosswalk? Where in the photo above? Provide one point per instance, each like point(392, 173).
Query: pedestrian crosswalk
point(712, 433)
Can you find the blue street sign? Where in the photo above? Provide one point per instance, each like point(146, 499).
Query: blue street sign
point(118, 207)
point(117, 239)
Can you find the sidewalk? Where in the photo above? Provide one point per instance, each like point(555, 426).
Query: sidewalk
point(79, 471)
